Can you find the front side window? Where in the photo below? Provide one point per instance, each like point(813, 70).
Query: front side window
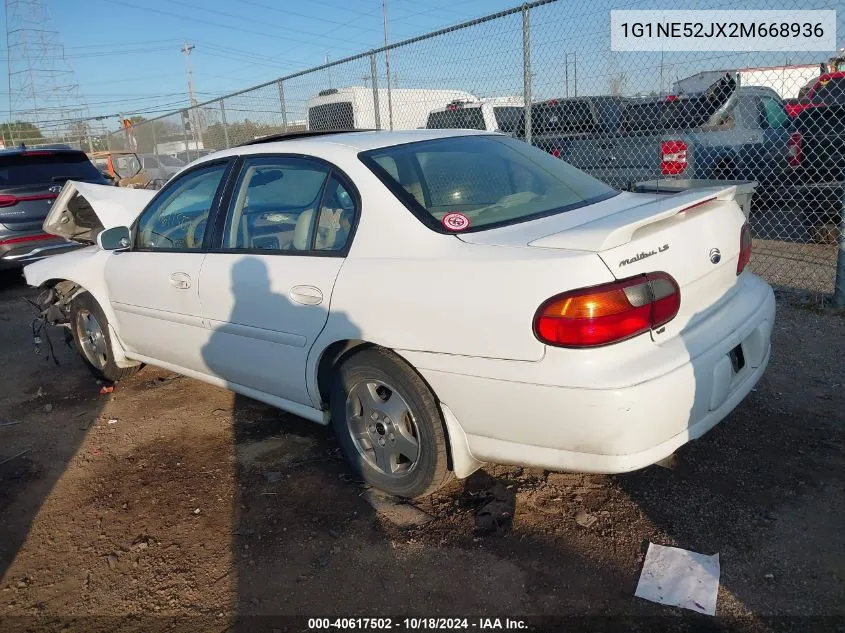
point(492, 180)
point(177, 218)
point(275, 204)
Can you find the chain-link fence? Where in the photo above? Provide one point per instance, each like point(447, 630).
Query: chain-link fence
point(772, 123)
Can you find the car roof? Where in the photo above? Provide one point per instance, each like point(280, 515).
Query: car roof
point(353, 141)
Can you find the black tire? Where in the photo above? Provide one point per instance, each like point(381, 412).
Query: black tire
point(377, 365)
point(82, 308)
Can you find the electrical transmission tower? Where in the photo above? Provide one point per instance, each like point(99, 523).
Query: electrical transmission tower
point(45, 103)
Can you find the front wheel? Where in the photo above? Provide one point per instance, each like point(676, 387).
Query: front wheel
point(389, 425)
point(90, 329)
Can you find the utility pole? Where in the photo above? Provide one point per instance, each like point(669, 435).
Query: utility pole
point(387, 66)
point(196, 128)
point(328, 70)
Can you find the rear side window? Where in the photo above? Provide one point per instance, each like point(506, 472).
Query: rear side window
point(47, 168)
point(489, 180)
point(457, 119)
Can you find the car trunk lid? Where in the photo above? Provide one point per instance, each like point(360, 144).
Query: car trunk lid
point(82, 210)
point(694, 236)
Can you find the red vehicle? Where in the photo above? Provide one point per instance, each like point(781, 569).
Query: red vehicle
point(828, 87)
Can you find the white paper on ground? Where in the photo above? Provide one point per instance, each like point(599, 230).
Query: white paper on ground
point(680, 578)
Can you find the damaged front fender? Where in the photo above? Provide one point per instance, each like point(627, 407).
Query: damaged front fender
point(53, 302)
point(64, 277)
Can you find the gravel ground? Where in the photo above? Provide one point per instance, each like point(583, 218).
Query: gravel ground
point(173, 505)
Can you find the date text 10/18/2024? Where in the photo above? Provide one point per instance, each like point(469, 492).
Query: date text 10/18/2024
point(418, 624)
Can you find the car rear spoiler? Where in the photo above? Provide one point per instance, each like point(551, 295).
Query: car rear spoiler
point(615, 230)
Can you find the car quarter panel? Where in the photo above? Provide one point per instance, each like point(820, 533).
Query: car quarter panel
point(620, 400)
point(405, 286)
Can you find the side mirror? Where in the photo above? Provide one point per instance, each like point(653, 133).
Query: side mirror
point(117, 238)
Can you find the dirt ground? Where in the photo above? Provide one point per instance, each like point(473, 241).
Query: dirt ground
point(173, 505)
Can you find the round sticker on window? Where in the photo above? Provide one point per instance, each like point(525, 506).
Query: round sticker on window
point(455, 221)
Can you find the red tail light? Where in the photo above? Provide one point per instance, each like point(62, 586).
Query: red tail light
point(26, 238)
point(609, 313)
point(673, 157)
point(10, 201)
point(793, 150)
point(555, 152)
point(744, 248)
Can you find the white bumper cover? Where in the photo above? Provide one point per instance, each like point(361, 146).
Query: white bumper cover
point(611, 429)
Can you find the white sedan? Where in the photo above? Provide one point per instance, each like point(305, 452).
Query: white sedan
point(443, 298)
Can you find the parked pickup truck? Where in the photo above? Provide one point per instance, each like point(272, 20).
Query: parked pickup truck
point(724, 131)
point(557, 123)
point(817, 160)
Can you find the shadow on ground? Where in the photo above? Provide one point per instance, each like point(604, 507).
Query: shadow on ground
point(47, 409)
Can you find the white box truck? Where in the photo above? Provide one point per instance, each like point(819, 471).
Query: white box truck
point(353, 108)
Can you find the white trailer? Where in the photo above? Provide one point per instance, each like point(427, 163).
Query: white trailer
point(353, 108)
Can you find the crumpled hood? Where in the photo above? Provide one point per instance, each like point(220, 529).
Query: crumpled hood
point(83, 209)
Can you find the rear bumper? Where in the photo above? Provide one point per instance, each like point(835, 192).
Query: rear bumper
point(19, 254)
point(608, 429)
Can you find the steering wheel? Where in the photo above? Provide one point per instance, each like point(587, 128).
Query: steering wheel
point(192, 230)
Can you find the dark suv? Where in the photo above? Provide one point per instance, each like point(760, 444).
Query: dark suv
point(30, 179)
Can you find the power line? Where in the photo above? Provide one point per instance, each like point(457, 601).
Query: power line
point(229, 27)
point(288, 12)
point(329, 32)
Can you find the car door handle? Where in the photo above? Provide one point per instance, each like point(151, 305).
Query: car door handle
point(306, 295)
point(182, 281)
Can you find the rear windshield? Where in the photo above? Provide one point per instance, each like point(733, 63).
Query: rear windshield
point(46, 168)
point(457, 119)
point(683, 112)
point(508, 117)
point(331, 116)
point(563, 117)
point(490, 180)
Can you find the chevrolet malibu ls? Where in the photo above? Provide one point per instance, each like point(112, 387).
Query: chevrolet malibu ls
point(442, 298)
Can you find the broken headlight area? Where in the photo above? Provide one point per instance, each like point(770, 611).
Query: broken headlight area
point(53, 307)
point(54, 303)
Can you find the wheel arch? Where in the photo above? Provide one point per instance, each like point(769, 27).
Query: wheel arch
point(70, 288)
point(459, 458)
